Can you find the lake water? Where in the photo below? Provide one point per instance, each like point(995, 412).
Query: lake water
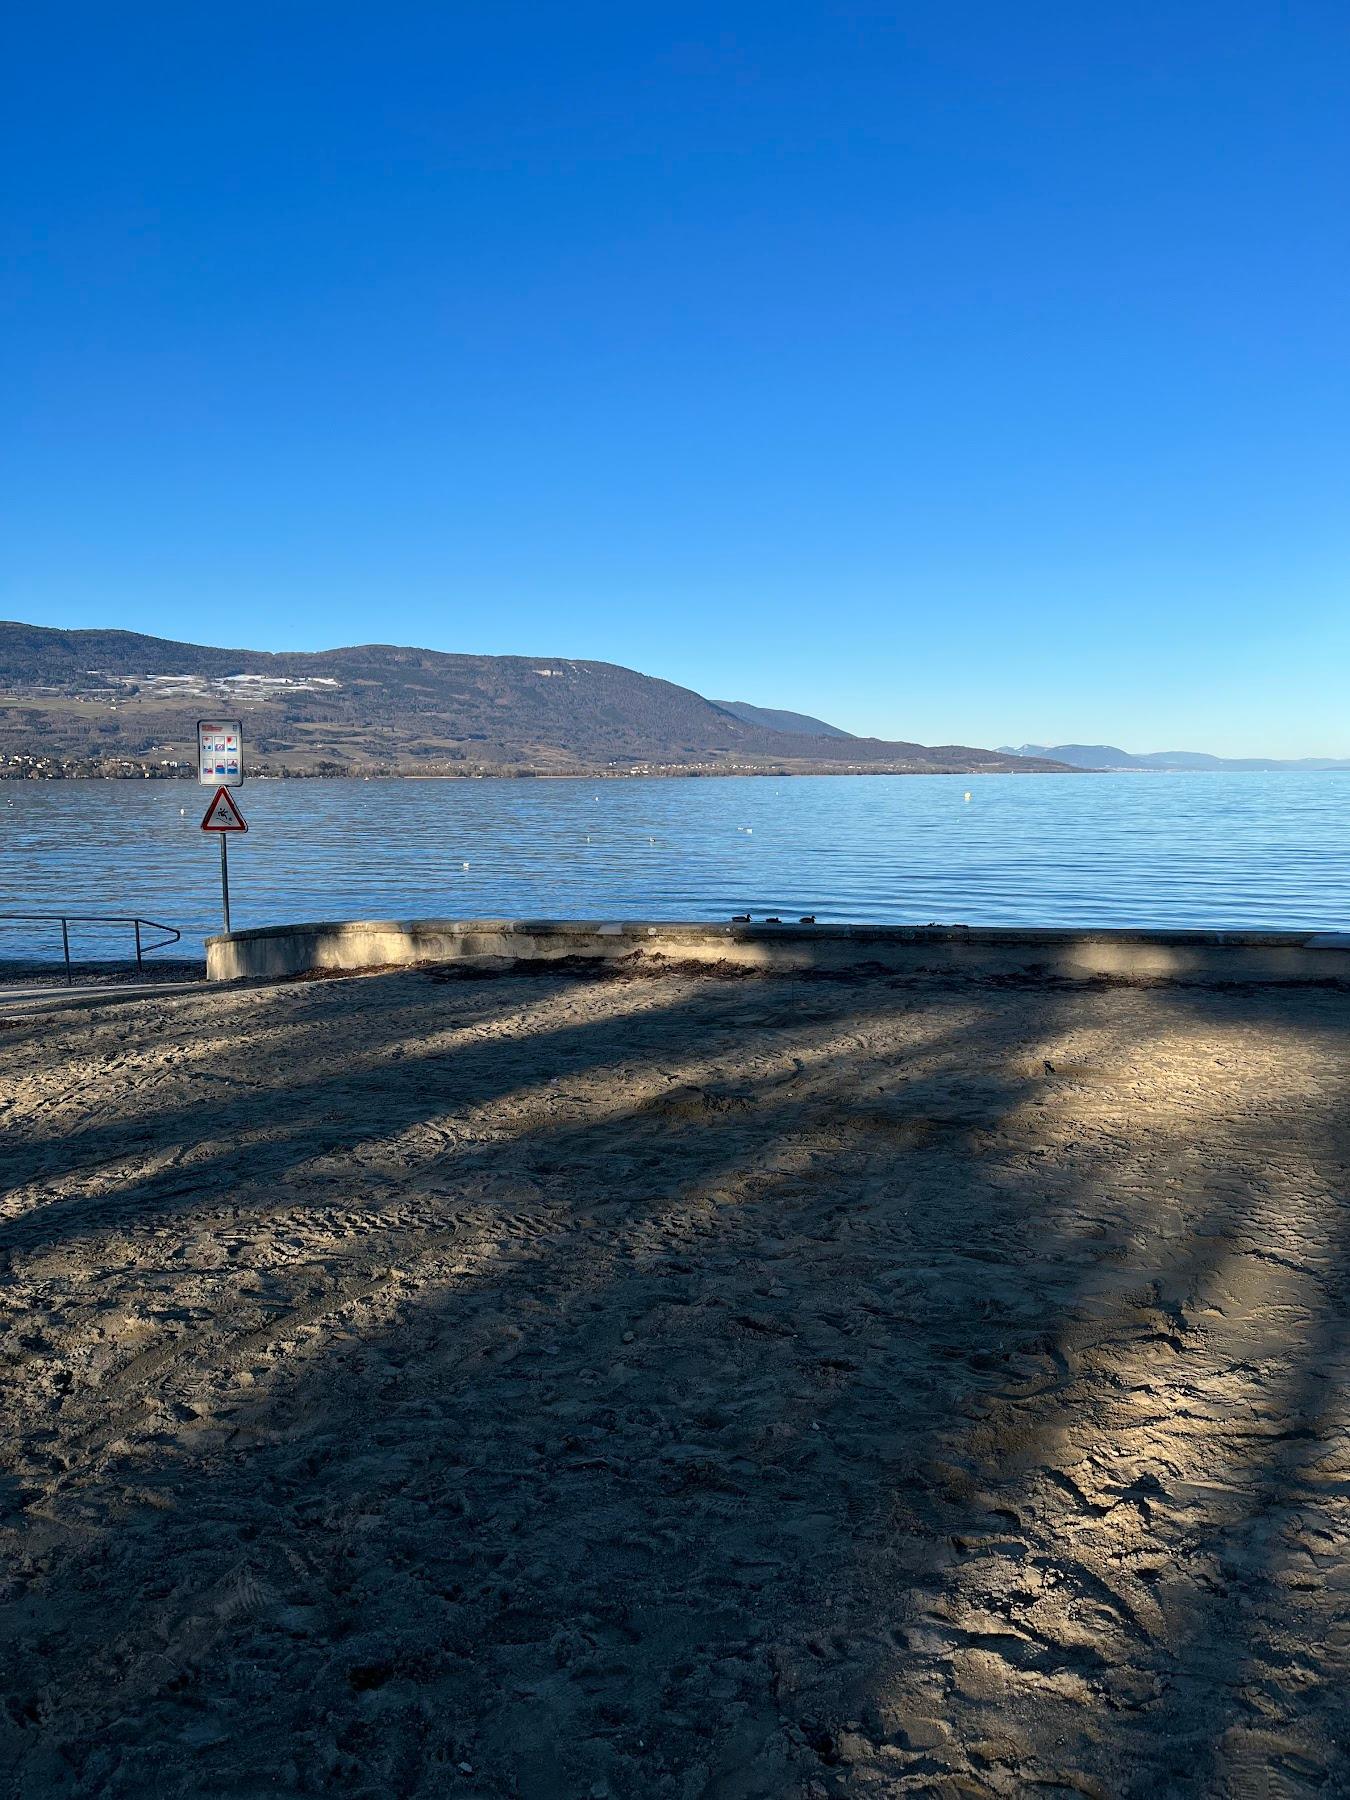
point(1222, 850)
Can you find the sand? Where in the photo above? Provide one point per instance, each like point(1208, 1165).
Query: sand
point(676, 1385)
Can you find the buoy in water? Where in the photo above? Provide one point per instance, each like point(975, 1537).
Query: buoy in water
point(965, 796)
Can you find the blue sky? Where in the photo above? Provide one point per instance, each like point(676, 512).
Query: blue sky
point(958, 370)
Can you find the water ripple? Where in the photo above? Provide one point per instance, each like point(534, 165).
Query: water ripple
point(1218, 850)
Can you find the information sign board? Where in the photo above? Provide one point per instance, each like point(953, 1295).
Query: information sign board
point(220, 752)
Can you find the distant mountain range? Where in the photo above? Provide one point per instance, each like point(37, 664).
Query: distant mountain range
point(115, 702)
point(1107, 756)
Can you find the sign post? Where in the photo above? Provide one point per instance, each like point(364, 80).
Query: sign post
point(220, 764)
point(223, 817)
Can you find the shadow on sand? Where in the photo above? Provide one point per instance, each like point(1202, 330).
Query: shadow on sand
point(678, 1387)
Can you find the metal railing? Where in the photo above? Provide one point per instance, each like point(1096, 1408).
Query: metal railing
point(66, 920)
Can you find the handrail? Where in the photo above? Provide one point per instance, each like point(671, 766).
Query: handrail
point(66, 920)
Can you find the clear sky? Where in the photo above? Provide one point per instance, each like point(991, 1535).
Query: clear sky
point(959, 370)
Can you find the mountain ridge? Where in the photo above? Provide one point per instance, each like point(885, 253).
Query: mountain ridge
point(1098, 757)
point(91, 701)
point(776, 718)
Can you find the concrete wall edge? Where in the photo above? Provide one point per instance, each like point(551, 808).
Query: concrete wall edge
point(281, 950)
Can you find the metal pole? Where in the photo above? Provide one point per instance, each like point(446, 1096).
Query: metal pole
point(225, 880)
point(65, 945)
point(138, 946)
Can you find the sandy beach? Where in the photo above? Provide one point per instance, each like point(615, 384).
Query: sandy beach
point(674, 1385)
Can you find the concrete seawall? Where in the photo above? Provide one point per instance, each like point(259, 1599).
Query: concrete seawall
point(1243, 956)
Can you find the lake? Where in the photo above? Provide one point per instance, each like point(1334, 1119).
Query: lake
point(1220, 850)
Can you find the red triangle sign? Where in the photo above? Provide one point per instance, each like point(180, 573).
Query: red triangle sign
point(223, 814)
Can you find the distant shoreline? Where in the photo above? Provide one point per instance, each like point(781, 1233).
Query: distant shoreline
point(188, 776)
point(10, 773)
point(778, 773)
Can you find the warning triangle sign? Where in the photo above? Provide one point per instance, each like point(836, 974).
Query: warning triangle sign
point(223, 814)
